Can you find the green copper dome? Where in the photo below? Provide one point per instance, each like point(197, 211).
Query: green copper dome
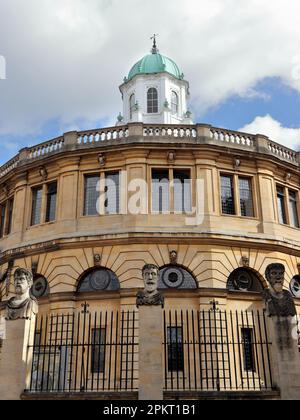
point(155, 63)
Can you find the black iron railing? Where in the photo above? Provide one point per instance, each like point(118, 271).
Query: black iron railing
point(202, 351)
point(216, 351)
point(85, 352)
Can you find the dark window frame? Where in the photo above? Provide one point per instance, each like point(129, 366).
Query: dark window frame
point(116, 205)
point(10, 210)
point(243, 206)
point(2, 219)
point(228, 208)
point(182, 175)
point(51, 208)
point(98, 353)
point(6, 217)
point(159, 204)
point(152, 100)
point(89, 207)
point(36, 205)
point(281, 205)
point(249, 363)
point(175, 349)
point(293, 208)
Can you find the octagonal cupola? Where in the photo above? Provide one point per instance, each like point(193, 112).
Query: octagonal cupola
point(155, 92)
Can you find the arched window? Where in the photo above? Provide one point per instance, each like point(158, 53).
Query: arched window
point(152, 101)
point(295, 286)
point(40, 286)
point(131, 105)
point(97, 280)
point(244, 280)
point(176, 277)
point(174, 103)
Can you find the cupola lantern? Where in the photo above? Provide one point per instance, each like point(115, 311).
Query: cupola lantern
point(155, 91)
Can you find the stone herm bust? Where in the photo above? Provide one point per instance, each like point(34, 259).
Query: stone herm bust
point(150, 296)
point(23, 305)
point(279, 302)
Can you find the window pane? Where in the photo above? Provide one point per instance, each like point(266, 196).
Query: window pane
point(51, 202)
point(112, 186)
point(182, 192)
point(174, 103)
point(175, 349)
point(227, 195)
point(91, 195)
point(152, 101)
point(160, 191)
point(293, 209)
point(249, 361)
point(246, 200)
point(2, 219)
point(281, 207)
point(36, 205)
point(10, 215)
point(98, 350)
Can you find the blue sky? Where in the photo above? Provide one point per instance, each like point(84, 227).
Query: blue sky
point(66, 58)
point(280, 101)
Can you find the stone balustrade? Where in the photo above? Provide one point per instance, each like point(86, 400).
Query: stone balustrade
point(9, 166)
point(282, 152)
point(200, 134)
point(233, 137)
point(102, 134)
point(170, 131)
point(45, 148)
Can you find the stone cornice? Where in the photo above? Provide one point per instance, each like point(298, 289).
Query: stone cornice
point(188, 238)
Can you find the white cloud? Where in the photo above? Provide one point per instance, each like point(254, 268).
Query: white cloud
point(66, 58)
point(268, 126)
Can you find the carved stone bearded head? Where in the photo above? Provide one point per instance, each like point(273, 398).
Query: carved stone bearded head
point(275, 276)
point(150, 276)
point(23, 281)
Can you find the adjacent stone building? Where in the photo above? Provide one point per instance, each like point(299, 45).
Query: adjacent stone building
point(212, 208)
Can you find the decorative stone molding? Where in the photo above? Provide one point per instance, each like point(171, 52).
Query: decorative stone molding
point(102, 159)
point(43, 173)
point(166, 105)
point(171, 156)
point(214, 305)
point(288, 177)
point(245, 262)
point(173, 257)
point(97, 259)
point(237, 163)
point(29, 249)
point(120, 118)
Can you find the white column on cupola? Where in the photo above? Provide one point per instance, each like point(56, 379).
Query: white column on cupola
point(148, 90)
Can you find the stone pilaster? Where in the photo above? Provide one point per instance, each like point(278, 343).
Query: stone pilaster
point(285, 356)
point(150, 353)
point(16, 358)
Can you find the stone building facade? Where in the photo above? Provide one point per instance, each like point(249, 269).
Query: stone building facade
point(245, 189)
